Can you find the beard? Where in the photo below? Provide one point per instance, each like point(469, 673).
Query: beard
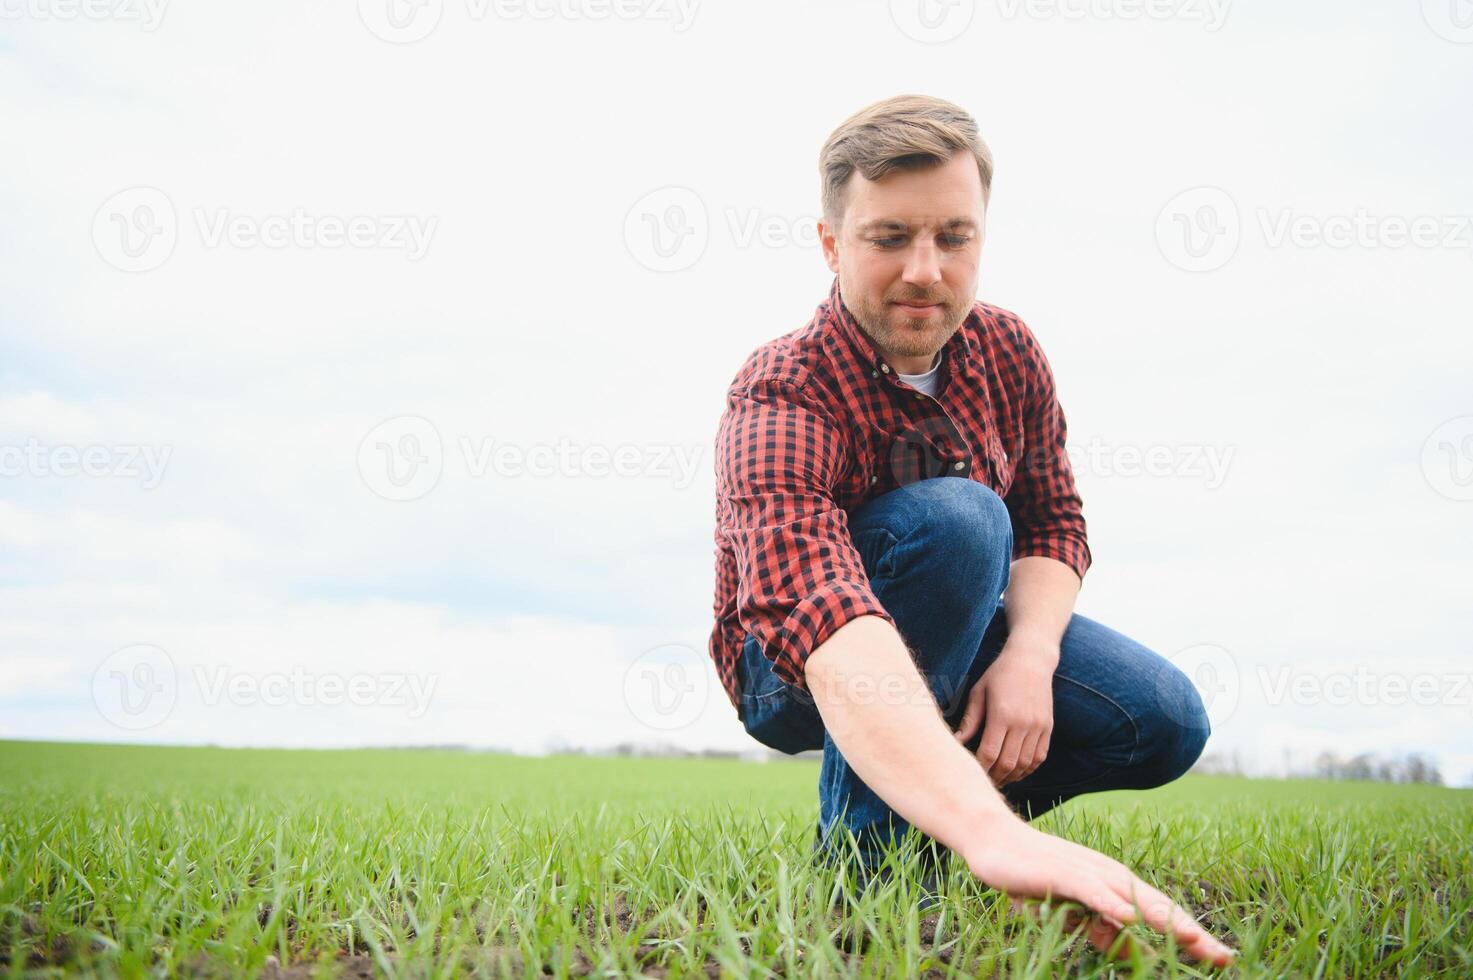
point(897, 333)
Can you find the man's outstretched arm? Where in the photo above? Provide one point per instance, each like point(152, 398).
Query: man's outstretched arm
point(899, 744)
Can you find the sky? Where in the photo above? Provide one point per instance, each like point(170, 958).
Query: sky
point(360, 362)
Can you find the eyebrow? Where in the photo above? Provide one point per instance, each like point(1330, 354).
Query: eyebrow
point(895, 224)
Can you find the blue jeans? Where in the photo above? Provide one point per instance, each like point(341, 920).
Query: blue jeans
point(937, 553)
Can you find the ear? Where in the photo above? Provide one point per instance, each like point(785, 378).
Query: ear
point(828, 238)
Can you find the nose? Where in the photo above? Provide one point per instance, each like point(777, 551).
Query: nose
point(923, 264)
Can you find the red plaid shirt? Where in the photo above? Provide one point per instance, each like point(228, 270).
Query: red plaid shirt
point(816, 424)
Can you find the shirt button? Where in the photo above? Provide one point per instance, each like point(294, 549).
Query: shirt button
point(874, 374)
point(885, 368)
point(959, 465)
point(873, 480)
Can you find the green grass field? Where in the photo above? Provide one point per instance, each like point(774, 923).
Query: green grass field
point(145, 861)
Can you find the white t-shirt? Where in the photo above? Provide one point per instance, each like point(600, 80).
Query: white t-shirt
point(925, 382)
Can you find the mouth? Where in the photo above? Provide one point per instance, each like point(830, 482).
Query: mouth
point(918, 309)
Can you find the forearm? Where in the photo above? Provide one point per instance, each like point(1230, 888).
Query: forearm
point(1039, 600)
point(885, 721)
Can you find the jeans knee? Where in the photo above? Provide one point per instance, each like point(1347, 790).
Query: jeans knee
point(968, 508)
point(1179, 731)
point(967, 527)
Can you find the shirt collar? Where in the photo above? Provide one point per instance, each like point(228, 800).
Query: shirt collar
point(958, 347)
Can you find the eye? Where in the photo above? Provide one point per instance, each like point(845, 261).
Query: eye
point(889, 241)
point(957, 241)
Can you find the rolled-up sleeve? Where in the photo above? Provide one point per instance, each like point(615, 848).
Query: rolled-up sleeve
point(1046, 509)
point(800, 577)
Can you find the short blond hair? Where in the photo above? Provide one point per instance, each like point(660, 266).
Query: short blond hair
point(906, 132)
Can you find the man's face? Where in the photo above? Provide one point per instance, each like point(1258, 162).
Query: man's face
point(907, 253)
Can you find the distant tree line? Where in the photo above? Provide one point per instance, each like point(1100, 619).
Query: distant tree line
point(1411, 768)
point(1367, 766)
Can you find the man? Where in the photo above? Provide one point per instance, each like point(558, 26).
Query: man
point(900, 544)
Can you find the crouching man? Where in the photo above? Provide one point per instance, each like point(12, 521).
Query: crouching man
point(900, 544)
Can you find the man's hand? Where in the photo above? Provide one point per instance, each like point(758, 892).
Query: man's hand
point(1014, 703)
point(1026, 863)
point(900, 747)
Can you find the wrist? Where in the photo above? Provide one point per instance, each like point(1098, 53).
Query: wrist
point(986, 835)
point(1032, 646)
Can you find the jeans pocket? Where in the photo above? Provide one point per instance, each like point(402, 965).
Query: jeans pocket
point(784, 720)
point(774, 712)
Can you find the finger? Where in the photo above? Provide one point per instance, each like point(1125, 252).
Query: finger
point(1100, 931)
point(1103, 935)
point(1025, 757)
point(1040, 752)
point(972, 717)
point(1161, 913)
point(1007, 758)
point(1114, 890)
point(993, 733)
